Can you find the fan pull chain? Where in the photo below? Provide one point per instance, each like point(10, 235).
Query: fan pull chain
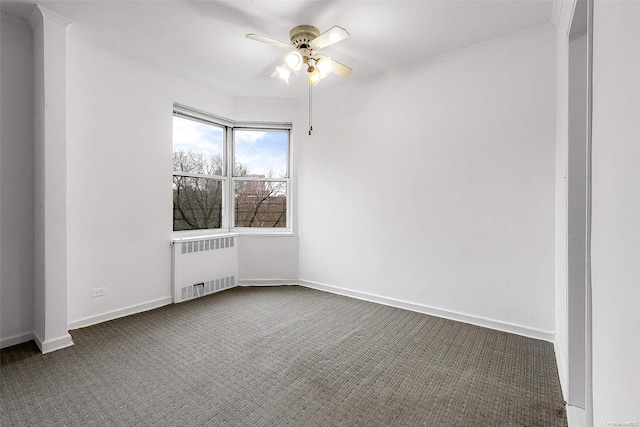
point(310, 110)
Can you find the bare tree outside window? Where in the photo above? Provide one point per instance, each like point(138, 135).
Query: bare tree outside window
point(195, 162)
point(197, 201)
point(261, 204)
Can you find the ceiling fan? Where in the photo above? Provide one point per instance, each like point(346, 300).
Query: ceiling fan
point(305, 40)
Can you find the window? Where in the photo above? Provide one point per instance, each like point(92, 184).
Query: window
point(198, 174)
point(261, 177)
point(229, 176)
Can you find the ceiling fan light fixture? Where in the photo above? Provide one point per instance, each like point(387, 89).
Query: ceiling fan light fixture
point(283, 73)
point(324, 66)
point(313, 77)
point(293, 60)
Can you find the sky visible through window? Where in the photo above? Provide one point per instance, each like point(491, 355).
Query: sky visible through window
point(263, 153)
point(190, 135)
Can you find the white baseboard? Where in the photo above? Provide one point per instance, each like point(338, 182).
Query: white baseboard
point(576, 417)
point(16, 339)
point(268, 282)
point(114, 314)
point(438, 312)
point(47, 346)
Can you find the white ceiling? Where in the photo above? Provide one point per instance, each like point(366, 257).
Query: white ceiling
point(205, 40)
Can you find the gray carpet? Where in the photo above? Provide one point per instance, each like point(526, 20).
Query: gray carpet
point(283, 356)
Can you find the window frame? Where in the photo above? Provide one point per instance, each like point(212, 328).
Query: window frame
point(286, 179)
point(229, 180)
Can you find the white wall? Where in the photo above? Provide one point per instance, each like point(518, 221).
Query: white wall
point(16, 183)
point(119, 178)
point(435, 185)
point(616, 212)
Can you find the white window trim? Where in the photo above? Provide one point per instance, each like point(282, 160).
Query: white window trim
point(228, 211)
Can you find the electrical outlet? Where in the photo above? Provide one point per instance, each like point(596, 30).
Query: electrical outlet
point(98, 292)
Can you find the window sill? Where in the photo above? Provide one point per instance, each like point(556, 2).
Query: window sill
point(252, 232)
point(179, 237)
point(186, 236)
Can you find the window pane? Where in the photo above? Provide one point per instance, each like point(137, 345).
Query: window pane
point(261, 204)
point(260, 153)
point(197, 147)
point(197, 203)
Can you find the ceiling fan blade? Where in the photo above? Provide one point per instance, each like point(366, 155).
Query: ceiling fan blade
point(270, 41)
point(331, 36)
point(340, 69)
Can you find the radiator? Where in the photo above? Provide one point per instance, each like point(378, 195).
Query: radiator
point(202, 266)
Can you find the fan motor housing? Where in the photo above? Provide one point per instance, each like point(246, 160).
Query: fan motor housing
point(302, 35)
